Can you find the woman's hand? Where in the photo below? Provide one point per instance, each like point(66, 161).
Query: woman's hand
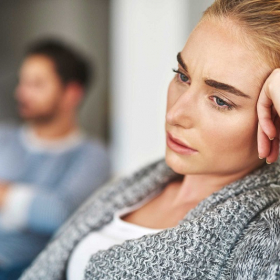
point(268, 108)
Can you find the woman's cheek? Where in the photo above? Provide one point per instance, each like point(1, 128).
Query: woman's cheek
point(232, 133)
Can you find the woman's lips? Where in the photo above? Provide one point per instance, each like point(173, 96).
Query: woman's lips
point(178, 147)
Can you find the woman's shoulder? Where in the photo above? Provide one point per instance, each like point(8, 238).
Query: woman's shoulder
point(257, 252)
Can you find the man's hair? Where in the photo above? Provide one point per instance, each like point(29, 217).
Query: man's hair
point(70, 65)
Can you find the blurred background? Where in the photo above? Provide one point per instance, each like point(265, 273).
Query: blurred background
point(133, 45)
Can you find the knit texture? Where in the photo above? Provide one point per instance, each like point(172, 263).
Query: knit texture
point(233, 234)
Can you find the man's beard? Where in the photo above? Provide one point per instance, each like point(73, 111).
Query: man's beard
point(42, 118)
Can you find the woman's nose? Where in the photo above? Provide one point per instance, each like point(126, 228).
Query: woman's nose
point(182, 112)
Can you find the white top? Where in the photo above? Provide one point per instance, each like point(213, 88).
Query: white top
point(114, 233)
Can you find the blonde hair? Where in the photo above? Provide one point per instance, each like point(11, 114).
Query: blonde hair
point(260, 20)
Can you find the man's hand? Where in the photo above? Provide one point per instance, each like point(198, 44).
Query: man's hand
point(268, 109)
point(4, 188)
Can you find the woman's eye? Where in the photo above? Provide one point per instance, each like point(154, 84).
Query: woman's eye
point(220, 101)
point(222, 104)
point(181, 76)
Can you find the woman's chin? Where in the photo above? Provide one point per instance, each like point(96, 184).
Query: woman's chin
point(180, 164)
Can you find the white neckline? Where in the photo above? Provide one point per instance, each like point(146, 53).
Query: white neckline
point(119, 214)
point(114, 233)
point(36, 144)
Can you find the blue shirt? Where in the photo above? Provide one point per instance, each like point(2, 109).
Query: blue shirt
point(48, 184)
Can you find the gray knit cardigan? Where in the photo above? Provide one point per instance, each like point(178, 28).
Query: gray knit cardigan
point(233, 234)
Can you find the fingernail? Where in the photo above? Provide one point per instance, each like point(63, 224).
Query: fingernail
point(268, 162)
point(271, 139)
point(260, 157)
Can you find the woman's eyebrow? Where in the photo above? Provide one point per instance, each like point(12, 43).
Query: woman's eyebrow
point(213, 83)
point(181, 62)
point(226, 87)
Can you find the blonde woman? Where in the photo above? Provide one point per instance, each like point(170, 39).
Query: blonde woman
point(211, 210)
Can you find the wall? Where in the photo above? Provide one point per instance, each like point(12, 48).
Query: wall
point(145, 39)
point(82, 23)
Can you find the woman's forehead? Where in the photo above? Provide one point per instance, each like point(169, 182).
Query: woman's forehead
point(215, 50)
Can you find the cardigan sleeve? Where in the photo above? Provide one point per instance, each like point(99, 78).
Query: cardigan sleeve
point(257, 253)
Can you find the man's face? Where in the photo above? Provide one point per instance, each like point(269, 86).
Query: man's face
point(40, 90)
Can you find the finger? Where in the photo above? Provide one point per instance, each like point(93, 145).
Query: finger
point(264, 108)
point(264, 144)
point(274, 152)
point(273, 156)
point(274, 115)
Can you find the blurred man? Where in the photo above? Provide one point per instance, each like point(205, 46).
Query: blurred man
point(47, 166)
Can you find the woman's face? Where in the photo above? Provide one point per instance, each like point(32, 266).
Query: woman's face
point(211, 105)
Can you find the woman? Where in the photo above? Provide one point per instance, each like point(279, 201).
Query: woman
point(213, 211)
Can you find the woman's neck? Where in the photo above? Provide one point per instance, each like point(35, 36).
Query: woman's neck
point(196, 187)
